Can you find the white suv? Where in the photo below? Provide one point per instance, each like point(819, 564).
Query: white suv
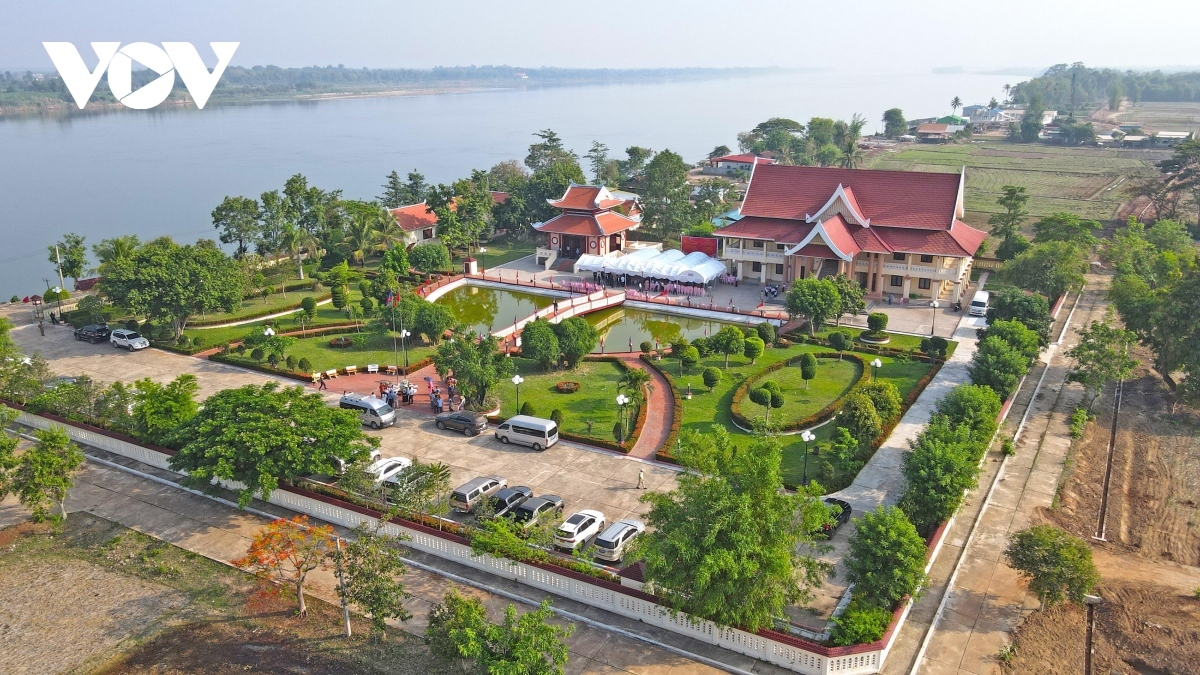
point(129, 339)
point(576, 530)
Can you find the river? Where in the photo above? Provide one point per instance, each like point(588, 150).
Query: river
point(161, 173)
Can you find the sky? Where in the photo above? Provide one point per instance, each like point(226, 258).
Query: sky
point(885, 35)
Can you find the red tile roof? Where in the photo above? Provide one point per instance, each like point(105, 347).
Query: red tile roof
point(933, 129)
point(605, 222)
point(967, 237)
point(498, 197)
point(746, 158)
point(868, 239)
point(585, 198)
point(414, 217)
point(839, 235)
point(773, 229)
point(816, 251)
point(907, 199)
point(963, 240)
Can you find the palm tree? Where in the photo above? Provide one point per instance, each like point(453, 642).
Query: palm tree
point(851, 155)
point(293, 240)
point(361, 235)
point(117, 248)
point(955, 104)
point(1007, 88)
point(634, 379)
point(390, 232)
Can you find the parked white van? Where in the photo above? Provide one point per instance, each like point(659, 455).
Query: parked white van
point(979, 303)
point(535, 432)
point(373, 412)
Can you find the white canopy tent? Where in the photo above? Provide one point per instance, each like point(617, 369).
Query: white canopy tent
point(593, 263)
point(672, 265)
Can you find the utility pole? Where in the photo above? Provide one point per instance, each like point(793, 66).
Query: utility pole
point(342, 582)
point(58, 259)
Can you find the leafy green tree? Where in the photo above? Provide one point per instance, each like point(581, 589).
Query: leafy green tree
point(548, 151)
point(719, 151)
point(8, 447)
point(577, 338)
point(1102, 356)
point(844, 449)
point(689, 358)
point(237, 220)
point(429, 257)
point(808, 368)
point(45, 472)
point(528, 644)
point(1012, 247)
point(885, 396)
point(1058, 566)
point(547, 183)
point(1051, 268)
point(261, 435)
point(370, 565)
point(164, 281)
point(540, 343)
point(815, 299)
point(115, 248)
point(634, 166)
point(1065, 227)
point(713, 197)
point(666, 194)
point(753, 348)
point(1016, 335)
point(69, 256)
point(840, 341)
point(1009, 222)
point(937, 470)
point(395, 260)
point(711, 377)
point(432, 320)
point(463, 211)
point(768, 396)
point(975, 406)
point(998, 365)
point(160, 411)
point(1031, 309)
point(397, 193)
point(724, 544)
point(860, 623)
point(894, 123)
point(475, 362)
point(859, 417)
point(728, 340)
point(887, 558)
point(850, 297)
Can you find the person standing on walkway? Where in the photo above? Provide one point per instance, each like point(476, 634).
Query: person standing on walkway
point(641, 479)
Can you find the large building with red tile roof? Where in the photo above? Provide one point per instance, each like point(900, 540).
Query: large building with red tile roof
point(593, 221)
point(897, 233)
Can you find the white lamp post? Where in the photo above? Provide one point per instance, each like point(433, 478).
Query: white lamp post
point(622, 399)
point(483, 261)
point(875, 364)
point(806, 436)
point(517, 380)
point(934, 305)
point(268, 331)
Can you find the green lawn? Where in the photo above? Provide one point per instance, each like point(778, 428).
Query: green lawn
point(834, 378)
point(378, 349)
point(505, 250)
point(326, 315)
point(276, 302)
point(595, 400)
point(707, 408)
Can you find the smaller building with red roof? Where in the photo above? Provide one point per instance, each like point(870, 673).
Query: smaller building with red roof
point(417, 221)
point(593, 221)
point(727, 164)
point(895, 232)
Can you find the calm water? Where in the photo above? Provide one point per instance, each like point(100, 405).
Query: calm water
point(155, 173)
point(619, 325)
point(488, 309)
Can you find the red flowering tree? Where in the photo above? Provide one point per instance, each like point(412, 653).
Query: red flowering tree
point(285, 551)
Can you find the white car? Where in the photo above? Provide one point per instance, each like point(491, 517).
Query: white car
point(576, 530)
point(612, 543)
point(129, 339)
point(388, 469)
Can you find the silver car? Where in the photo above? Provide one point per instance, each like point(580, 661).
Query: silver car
point(129, 339)
point(612, 542)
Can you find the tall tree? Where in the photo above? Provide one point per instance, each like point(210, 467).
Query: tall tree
point(815, 299)
point(1008, 223)
point(115, 248)
point(165, 281)
point(540, 343)
point(260, 436)
point(285, 551)
point(1068, 227)
point(274, 214)
point(850, 297)
point(724, 544)
point(894, 123)
point(634, 165)
point(1057, 565)
point(362, 232)
point(1051, 268)
point(549, 150)
point(576, 338)
point(887, 557)
point(45, 472)
point(666, 194)
point(713, 197)
point(1182, 170)
point(69, 256)
point(955, 104)
point(370, 566)
point(475, 361)
point(598, 161)
point(1102, 356)
point(237, 220)
point(394, 192)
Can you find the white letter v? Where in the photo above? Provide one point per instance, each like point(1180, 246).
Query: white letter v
point(196, 78)
point(79, 80)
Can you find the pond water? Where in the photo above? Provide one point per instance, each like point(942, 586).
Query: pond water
point(619, 325)
point(488, 309)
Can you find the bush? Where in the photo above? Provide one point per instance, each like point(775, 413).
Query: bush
point(753, 348)
point(198, 341)
point(368, 306)
point(430, 257)
point(877, 322)
point(240, 349)
point(1079, 420)
point(1008, 448)
point(861, 623)
point(646, 346)
point(305, 365)
point(766, 331)
point(257, 354)
point(527, 409)
point(131, 324)
point(14, 300)
point(309, 305)
point(885, 397)
point(747, 331)
point(703, 348)
point(619, 433)
point(566, 387)
point(557, 417)
point(860, 418)
point(690, 357)
point(887, 557)
point(273, 359)
point(1058, 565)
point(183, 341)
point(290, 362)
point(711, 377)
point(998, 366)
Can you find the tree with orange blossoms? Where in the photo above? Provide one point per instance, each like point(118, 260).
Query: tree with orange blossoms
point(285, 551)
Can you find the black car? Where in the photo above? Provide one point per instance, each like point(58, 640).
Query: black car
point(508, 499)
point(471, 424)
point(529, 512)
point(839, 511)
point(97, 332)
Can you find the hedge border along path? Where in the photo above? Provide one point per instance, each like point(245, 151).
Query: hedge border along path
point(818, 417)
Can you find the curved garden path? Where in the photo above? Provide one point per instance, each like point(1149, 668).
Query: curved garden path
point(660, 410)
point(256, 319)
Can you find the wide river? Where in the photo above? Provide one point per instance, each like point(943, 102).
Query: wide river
point(155, 173)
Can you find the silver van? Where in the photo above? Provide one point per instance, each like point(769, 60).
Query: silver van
point(979, 303)
point(467, 497)
point(535, 432)
point(373, 412)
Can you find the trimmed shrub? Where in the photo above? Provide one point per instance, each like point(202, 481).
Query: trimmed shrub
point(257, 354)
point(887, 557)
point(527, 409)
point(690, 357)
point(646, 346)
point(131, 324)
point(711, 377)
point(703, 348)
point(861, 623)
point(198, 341)
point(877, 322)
point(766, 331)
point(753, 348)
point(240, 349)
point(305, 365)
point(273, 359)
point(309, 305)
point(291, 362)
point(557, 417)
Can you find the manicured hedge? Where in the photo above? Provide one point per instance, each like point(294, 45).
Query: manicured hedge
point(805, 422)
point(218, 321)
point(247, 362)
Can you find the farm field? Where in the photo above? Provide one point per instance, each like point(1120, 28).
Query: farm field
point(1155, 116)
point(1087, 181)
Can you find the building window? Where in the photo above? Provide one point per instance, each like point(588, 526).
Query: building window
point(780, 247)
point(756, 267)
point(897, 280)
point(926, 258)
point(779, 270)
point(898, 257)
point(427, 233)
point(923, 284)
point(733, 243)
point(758, 244)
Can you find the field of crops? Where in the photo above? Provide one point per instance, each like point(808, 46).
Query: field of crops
point(1086, 181)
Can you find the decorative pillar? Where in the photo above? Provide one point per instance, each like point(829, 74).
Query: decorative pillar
point(907, 285)
point(958, 287)
point(739, 268)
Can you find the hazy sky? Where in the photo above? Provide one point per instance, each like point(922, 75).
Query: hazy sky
point(846, 35)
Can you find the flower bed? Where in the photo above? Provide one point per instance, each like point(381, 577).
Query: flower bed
point(567, 387)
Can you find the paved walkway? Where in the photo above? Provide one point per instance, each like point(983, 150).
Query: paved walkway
point(256, 319)
point(660, 410)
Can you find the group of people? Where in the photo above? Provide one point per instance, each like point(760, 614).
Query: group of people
point(441, 404)
point(770, 291)
point(651, 284)
point(404, 393)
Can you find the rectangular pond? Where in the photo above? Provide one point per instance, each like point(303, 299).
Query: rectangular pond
point(621, 325)
point(485, 309)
